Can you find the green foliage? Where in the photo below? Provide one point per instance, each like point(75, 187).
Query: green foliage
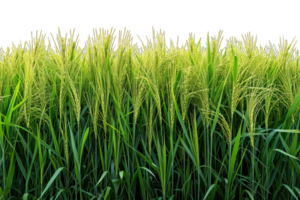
point(157, 122)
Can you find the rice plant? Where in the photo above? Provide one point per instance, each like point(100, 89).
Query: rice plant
point(111, 120)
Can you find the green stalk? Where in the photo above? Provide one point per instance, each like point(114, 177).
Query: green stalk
point(96, 163)
point(211, 95)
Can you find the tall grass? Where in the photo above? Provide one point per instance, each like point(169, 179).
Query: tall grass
point(116, 121)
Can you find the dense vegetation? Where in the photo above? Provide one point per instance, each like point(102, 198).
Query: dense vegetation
point(157, 122)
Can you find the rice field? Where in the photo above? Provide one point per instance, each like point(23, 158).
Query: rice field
point(117, 120)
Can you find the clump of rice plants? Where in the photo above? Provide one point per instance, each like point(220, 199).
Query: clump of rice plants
point(113, 120)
